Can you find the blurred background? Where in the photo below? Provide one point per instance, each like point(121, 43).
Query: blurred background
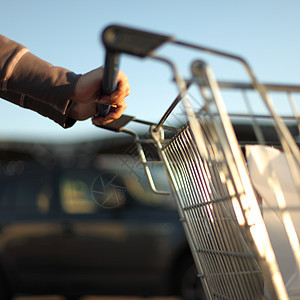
point(77, 216)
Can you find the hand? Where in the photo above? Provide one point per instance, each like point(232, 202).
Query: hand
point(82, 111)
point(87, 94)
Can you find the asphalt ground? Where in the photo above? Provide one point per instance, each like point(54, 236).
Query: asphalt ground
point(95, 298)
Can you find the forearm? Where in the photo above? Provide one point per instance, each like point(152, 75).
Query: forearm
point(23, 73)
point(42, 108)
point(35, 81)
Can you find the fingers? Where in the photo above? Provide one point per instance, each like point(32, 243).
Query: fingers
point(80, 112)
point(116, 100)
point(88, 87)
point(86, 96)
point(119, 95)
point(115, 113)
point(123, 89)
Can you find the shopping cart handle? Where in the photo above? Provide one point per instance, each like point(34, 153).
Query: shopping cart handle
point(109, 80)
point(109, 84)
point(117, 40)
point(132, 41)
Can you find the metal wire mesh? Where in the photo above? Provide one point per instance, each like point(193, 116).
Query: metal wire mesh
point(219, 199)
point(230, 267)
point(216, 199)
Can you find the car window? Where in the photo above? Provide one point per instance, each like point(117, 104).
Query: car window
point(6, 201)
point(137, 183)
point(75, 197)
point(32, 195)
point(86, 191)
point(27, 191)
point(92, 189)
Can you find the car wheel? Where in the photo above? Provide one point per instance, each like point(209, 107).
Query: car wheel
point(73, 297)
point(189, 284)
point(4, 292)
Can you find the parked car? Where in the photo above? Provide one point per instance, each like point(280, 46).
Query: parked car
point(90, 227)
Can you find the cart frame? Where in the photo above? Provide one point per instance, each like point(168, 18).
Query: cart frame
point(217, 203)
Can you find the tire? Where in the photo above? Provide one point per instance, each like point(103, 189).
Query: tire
point(190, 287)
point(69, 297)
point(4, 291)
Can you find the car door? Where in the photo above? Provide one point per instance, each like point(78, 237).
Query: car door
point(28, 226)
point(109, 240)
point(89, 234)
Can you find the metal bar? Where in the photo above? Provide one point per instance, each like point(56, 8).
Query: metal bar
point(294, 109)
point(181, 84)
point(145, 163)
point(170, 109)
point(152, 124)
point(184, 159)
point(213, 228)
point(215, 180)
point(229, 253)
point(249, 86)
point(173, 169)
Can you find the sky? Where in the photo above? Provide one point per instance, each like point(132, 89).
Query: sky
point(67, 33)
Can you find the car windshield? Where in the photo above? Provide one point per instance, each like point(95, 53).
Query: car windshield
point(110, 183)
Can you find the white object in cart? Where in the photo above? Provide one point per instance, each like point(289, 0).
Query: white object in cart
point(274, 182)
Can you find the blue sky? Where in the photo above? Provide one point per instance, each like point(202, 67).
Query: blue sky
point(66, 33)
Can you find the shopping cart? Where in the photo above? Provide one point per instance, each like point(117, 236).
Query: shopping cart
point(235, 175)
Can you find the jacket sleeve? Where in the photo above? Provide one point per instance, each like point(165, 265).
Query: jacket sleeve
point(33, 83)
point(42, 108)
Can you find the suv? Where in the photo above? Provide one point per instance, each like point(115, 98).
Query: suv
point(80, 227)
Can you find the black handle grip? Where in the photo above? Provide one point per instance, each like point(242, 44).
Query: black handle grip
point(132, 41)
point(111, 68)
point(119, 39)
point(109, 84)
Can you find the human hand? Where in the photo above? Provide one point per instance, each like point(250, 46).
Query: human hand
point(87, 94)
point(82, 111)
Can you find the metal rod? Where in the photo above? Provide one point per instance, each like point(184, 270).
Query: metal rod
point(249, 86)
